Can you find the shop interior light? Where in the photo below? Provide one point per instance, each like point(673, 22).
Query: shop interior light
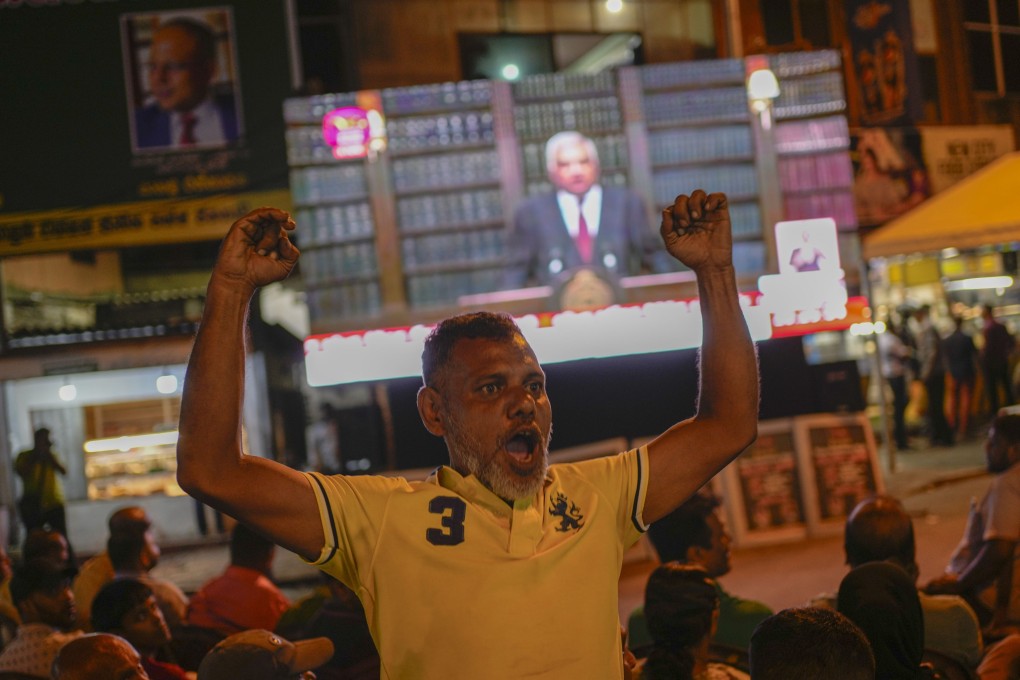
point(67, 392)
point(128, 442)
point(511, 72)
point(166, 384)
point(614, 6)
point(980, 283)
point(762, 86)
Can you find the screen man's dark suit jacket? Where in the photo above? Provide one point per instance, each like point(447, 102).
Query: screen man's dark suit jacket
point(152, 124)
point(540, 237)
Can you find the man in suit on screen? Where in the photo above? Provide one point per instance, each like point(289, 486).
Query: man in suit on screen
point(580, 224)
point(184, 110)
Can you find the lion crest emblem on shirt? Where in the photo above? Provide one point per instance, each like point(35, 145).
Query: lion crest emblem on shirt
point(568, 513)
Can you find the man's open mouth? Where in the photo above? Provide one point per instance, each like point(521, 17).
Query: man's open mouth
point(521, 446)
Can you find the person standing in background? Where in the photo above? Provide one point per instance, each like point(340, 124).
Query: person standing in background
point(994, 359)
point(931, 355)
point(894, 356)
point(961, 356)
point(42, 495)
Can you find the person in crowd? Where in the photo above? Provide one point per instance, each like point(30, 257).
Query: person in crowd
point(336, 614)
point(48, 544)
point(961, 360)
point(894, 358)
point(986, 550)
point(931, 355)
point(127, 607)
point(810, 642)
point(41, 590)
point(443, 565)
point(994, 358)
point(134, 556)
point(98, 656)
point(682, 611)
point(1002, 660)
point(97, 571)
point(262, 655)
point(882, 600)
point(42, 495)
point(581, 223)
point(695, 534)
point(244, 596)
point(879, 529)
point(184, 111)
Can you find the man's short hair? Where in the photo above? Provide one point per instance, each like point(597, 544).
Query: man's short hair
point(809, 642)
point(568, 138)
point(131, 519)
point(1008, 427)
point(680, 606)
point(125, 550)
point(115, 600)
point(43, 543)
point(203, 35)
point(878, 529)
point(439, 343)
point(683, 528)
point(247, 547)
point(39, 575)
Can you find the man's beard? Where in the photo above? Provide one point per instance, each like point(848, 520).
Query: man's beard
point(466, 453)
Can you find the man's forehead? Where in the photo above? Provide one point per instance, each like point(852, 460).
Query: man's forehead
point(571, 152)
point(487, 350)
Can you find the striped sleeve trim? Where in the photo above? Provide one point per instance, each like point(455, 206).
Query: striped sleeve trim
point(329, 522)
point(641, 490)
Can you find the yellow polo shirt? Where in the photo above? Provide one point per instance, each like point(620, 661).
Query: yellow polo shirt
point(456, 583)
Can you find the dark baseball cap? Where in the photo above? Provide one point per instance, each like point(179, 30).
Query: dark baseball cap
point(261, 655)
point(39, 575)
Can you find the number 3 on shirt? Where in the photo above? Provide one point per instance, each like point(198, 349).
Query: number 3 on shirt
point(453, 511)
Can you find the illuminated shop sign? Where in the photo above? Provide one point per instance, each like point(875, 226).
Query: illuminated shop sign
point(354, 132)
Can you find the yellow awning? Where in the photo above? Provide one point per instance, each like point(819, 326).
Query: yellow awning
point(980, 210)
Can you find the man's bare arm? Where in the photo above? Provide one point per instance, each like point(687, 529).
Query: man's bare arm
point(696, 231)
point(991, 559)
point(271, 498)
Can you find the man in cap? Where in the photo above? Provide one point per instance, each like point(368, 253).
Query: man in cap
point(98, 656)
point(41, 590)
point(261, 655)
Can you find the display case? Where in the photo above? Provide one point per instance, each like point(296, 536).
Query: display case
point(135, 472)
point(130, 448)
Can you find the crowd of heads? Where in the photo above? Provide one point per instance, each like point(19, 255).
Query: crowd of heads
point(125, 632)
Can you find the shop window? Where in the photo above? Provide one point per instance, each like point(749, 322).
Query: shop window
point(993, 37)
